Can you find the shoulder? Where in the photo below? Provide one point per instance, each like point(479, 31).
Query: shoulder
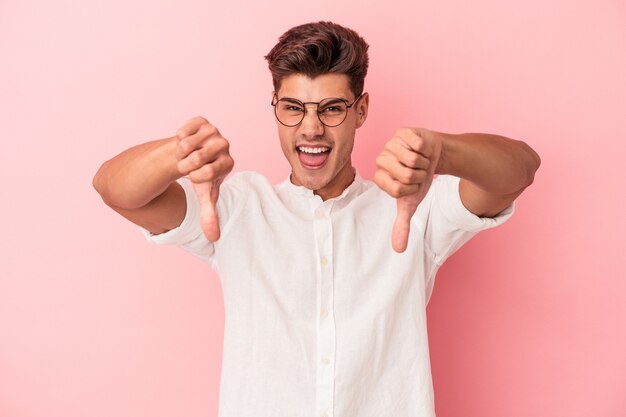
point(445, 199)
point(246, 182)
point(249, 178)
point(244, 188)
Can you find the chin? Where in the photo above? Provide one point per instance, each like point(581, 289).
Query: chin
point(312, 184)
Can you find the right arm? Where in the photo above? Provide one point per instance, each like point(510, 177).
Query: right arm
point(140, 183)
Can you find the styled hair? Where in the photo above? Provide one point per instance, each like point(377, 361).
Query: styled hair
point(320, 48)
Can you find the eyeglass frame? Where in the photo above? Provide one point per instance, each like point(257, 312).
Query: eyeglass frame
point(317, 103)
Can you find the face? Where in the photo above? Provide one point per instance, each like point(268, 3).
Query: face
point(320, 155)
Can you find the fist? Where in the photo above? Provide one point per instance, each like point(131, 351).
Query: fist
point(202, 154)
point(405, 170)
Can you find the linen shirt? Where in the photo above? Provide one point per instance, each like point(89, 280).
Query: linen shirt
point(322, 317)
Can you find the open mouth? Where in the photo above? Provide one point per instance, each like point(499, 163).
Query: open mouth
point(313, 157)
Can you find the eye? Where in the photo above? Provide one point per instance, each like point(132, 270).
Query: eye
point(332, 107)
point(290, 107)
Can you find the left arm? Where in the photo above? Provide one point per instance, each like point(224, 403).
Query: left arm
point(494, 170)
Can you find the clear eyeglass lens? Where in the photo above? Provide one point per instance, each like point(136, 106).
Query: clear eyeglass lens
point(332, 111)
point(289, 112)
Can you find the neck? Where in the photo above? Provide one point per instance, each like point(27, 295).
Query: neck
point(338, 185)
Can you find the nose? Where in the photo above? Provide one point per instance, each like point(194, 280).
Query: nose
point(311, 126)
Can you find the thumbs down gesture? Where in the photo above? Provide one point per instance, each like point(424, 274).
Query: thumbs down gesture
point(202, 154)
point(405, 170)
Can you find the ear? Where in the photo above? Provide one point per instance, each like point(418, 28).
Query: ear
point(361, 109)
point(272, 109)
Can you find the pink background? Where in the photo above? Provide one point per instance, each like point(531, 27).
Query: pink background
point(527, 320)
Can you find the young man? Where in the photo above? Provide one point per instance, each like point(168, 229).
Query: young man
point(323, 317)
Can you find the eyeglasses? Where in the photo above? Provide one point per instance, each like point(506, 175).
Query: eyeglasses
point(331, 111)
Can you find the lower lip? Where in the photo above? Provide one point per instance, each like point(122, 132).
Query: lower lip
point(313, 161)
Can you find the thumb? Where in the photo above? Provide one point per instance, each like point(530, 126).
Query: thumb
point(401, 227)
point(208, 192)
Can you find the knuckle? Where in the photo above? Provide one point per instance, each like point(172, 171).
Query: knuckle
point(179, 153)
point(196, 159)
point(184, 147)
point(202, 174)
point(407, 176)
point(207, 130)
point(221, 144)
point(200, 120)
point(230, 163)
point(395, 189)
point(190, 127)
point(413, 159)
point(208, 171)
point(194, 176)
point(181, 133)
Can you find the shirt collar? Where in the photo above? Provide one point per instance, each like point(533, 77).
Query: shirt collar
point(305, 192)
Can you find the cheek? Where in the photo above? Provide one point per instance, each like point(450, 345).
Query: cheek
point(345, 140)
point(286, 142)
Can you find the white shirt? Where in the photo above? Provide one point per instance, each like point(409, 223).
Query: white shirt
point(322, 317)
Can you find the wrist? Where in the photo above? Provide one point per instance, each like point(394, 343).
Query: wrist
point(171, 161)
point(446, 155)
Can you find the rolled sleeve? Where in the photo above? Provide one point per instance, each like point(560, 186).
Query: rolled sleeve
point(189, 229)
point(450, 225)
point(450, 205)
point(189, 235)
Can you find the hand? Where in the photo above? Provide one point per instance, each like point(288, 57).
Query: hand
point(406, 167)
point(202, 153)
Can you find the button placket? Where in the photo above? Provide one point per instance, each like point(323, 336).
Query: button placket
point(326, 323)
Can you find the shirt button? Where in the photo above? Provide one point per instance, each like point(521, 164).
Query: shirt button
point(324, 313)
point(319, 213)
point(324, 260)
point(324, 415)
point(325, 360)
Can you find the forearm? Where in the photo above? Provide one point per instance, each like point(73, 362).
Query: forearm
point(495, 164)
point(135, 177)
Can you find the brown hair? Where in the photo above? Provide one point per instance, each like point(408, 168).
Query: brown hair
point(320, 48)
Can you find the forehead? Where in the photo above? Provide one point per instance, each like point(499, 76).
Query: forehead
point(303, 88)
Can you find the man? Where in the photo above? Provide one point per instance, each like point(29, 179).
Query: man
point(322, 316)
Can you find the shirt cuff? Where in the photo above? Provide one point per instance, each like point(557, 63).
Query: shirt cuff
point(189, 228)
point(452, 207)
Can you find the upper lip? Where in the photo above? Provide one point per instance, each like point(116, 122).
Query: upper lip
point(313, 145)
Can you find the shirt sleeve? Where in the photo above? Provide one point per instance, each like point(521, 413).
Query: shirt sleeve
point(188, 235)
point(450, 225)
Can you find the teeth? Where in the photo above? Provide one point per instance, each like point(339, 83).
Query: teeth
point(307, 149)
